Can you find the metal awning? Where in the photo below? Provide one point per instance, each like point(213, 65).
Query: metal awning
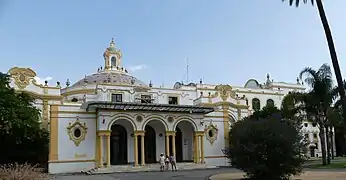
point(130, 106)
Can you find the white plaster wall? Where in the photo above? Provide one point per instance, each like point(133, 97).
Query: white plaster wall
point(187, 131)
point(216, 148)
point(66, 148)
point(58, 168)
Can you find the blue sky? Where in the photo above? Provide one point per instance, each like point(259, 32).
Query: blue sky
point(226, 41)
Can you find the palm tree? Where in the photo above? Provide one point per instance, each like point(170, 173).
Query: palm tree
point(331, 46)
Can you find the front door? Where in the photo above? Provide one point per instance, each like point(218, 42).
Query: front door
point(118, 145)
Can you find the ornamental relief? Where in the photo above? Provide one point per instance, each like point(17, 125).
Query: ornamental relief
point(224, 91)
point(77, 131)
point(22, 76)
point(211, 132)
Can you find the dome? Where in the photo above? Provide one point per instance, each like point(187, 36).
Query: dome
point(110, 77)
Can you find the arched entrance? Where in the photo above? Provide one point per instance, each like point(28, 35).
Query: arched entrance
point(150, 144)
point(179, 145)
point(118, 145)
point(312, 151)
point(184, 141)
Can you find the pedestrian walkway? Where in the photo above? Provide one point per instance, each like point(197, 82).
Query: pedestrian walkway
point(145, 168)
point(308, 175)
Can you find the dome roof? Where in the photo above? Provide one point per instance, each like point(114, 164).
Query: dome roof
point(109, 77)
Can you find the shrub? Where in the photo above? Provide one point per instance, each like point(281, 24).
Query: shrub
point(21, 172)
point(267, 148)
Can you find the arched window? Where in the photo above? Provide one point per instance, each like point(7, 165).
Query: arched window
point(270, 102)
point(113, 61)
point(256, 104)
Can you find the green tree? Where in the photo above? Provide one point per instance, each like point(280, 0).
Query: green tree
point(332, 51)
point(319, 101)
point(20, 130)
point(267, 146)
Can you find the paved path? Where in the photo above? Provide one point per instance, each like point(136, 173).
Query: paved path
point(178, 175)
point(307, 175)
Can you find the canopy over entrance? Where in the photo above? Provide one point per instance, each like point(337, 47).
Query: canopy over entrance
point(94, 105)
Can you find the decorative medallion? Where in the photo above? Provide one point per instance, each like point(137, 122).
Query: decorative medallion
point(225, 91)
point(211, 131)
point(139, 118)
point(22, 76)
point(77, 131)
point(170, 119)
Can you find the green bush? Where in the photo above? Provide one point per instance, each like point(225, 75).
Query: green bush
point(266, 148)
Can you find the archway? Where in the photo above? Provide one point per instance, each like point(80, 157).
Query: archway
point(118, 145)
point(178, 145)
point(312, 151)
point(184, 141)
point(154, 141)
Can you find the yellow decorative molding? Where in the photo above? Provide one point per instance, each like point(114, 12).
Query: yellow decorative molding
point(170, 133)
point(104, 132)
point(222, 103)
point(77, 131)
point(80, 156)
point(22, 76)
point(211, 132)
point(139, 133)
point(41, 96)
point(53, 140)
point(199, 133)
point(224, 91)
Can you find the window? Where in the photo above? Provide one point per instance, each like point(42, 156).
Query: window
point(113, 61)
point(256, 105)
point(117, 98)
point(307, 136)
point(145, 99)
point(316, 145)
point(314, 124)
point(315, 135)
point(305, 124)
point(172, 100)
point(270, 102)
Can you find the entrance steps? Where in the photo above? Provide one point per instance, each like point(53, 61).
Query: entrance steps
point(147, 168)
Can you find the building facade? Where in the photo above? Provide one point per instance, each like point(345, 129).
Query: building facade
point(111, 118)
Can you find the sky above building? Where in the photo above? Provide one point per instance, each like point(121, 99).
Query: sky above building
point(225, 41)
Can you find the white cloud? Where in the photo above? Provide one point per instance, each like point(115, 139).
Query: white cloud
point(138, 67)
point(41, 80)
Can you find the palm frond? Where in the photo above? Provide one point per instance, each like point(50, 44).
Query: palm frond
point(297, 2)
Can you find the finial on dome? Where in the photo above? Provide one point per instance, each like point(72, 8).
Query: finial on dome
point(112, 43)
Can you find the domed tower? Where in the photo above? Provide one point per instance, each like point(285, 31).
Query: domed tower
point(112, 57)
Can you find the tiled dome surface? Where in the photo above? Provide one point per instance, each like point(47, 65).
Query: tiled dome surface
point(110, 78)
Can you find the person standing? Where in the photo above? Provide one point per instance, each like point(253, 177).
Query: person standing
point(167, 162)
point(162, 162)
point(173, 162)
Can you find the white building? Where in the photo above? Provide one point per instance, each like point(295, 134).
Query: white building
point(111, 118)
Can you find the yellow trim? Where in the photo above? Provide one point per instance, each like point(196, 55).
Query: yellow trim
point(221, 103)
point(73, 117)
point(97, 142)
point(72, 161)
point(75, 112)
point(225, 124)
point(214, 116)
point(54, 129)
point(45, 114)
point(41, 96)
point(79, 91)
point(104, 133)
point(214, 157)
